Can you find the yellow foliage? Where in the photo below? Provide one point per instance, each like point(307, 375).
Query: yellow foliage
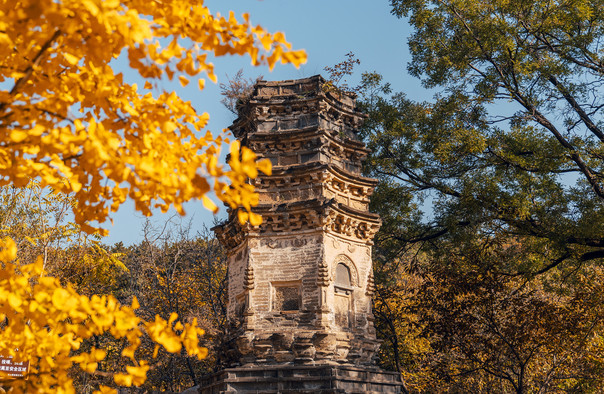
point(72, 123)
point(45, 324)
point(68, 119)
point(243, 166)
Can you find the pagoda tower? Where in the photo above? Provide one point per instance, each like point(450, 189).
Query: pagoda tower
point(300, 284)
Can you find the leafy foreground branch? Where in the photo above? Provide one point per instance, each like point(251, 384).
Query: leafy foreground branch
point(69, 119)
point(45, 323)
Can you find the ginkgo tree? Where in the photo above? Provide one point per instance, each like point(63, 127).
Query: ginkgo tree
point(46, 323)
point(69, 120)
point(67, 117)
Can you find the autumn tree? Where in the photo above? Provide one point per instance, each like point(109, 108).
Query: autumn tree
point(45, 324)
point(491, 196)
point(38, 221)
point(514, 141)
point(69, 120)
point(497, 333)
point(174, 271)
point(171, 271)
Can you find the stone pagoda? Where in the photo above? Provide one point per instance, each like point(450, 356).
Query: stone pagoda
point(300, 284)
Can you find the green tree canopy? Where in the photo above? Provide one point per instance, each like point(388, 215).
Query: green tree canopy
point(492, 197)
point(514, 144)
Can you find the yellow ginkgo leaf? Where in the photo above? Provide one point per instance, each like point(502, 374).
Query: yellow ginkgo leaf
point(209, 204)
point(255, 219)
point(71, 59)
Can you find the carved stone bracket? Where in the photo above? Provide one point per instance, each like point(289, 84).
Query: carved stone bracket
point(352, 226)
point(231, 234)
point(336, 149)
point(276, 145)
point(289, 221)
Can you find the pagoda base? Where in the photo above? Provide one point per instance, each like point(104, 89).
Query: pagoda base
point(301, 379)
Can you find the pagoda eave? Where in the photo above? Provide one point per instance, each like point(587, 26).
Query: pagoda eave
point(304, 216)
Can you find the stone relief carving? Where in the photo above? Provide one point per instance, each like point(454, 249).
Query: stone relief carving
point(323, 274)
point(370, 285)
point(351, 227)
point(277, 243)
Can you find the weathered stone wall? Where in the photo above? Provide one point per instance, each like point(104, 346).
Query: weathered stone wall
point(337, 330)
point(360, 345)
point(237, 263)
point(356, 256)
point(289, 261)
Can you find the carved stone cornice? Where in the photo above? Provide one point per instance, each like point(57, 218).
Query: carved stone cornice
point(294, 220)
point(313, 171)
point(231, 233)
point(286, 177)
point(354, 184)
point(318, 215)
point(297, 110)
point(315, 180)
point(286, 141)
point(352, 224)
point(348, 149)
point(304, 138)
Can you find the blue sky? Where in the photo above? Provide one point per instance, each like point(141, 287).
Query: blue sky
point(327, 30)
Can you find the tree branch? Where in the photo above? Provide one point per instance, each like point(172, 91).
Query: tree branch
point(576, 107)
